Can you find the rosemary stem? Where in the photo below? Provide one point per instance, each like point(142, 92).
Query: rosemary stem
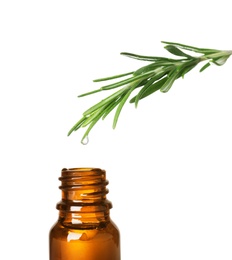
point(217, 54)
point(159, 74)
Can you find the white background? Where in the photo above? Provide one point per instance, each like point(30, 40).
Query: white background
point(168, 161)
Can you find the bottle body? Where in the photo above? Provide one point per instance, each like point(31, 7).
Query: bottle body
point(87, 244)
point(84, 230)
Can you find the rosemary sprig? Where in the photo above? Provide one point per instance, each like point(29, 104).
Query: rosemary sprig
point(159, 74)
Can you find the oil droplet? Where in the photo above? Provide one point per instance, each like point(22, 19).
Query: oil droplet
point(85, 141)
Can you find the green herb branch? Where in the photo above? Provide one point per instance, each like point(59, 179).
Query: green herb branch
point(159, 74)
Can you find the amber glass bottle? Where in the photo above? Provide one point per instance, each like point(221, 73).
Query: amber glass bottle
point(84, 230)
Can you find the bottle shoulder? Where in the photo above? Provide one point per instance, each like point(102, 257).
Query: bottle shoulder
point(102, 232)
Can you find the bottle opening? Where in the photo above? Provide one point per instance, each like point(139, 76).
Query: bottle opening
point(80, 177)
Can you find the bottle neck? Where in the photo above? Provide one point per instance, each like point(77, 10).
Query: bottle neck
point(84, 201)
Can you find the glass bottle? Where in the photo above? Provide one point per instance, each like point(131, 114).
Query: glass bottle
point(84, 230)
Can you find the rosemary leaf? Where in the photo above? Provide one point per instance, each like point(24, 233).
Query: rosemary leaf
point(96, 119)
point(191, 48)
point(205, 66)
point(174, 50)
point(149, 58)
point(221, 60)
point(149, 90)
point(169, 82)
point(109, 99)
point(121, 104)
point(126, 81)
point(112, 106)
point(113, 77)
point(77, 125)
point(150, 82)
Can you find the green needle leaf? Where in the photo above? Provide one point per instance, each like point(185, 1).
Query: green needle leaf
point(149, 58)
point(76, 126)
point(148, 91)
point(91, 126)
point(191, 48)
point(221, 60)
point(123, 82)
point(205, 66)
point(174, 50)
point(121, 104)
point(150, 82)
point(169, 82)
point(109, 99)
point(111, 107)
point(113, 77)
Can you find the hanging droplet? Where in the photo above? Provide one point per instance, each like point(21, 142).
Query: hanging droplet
point(85, 140)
